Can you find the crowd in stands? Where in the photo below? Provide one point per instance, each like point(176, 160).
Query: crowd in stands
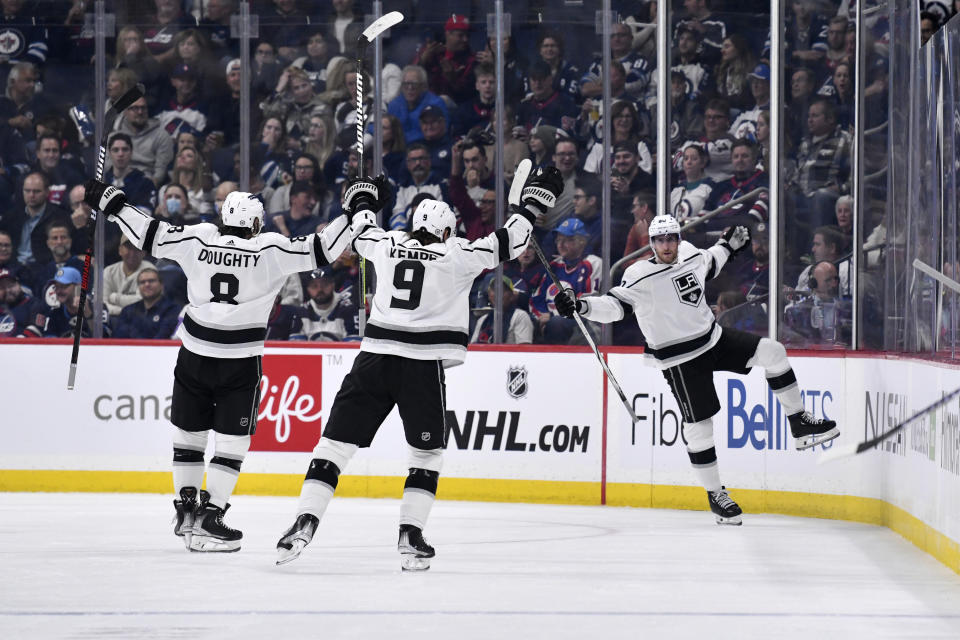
point(175, 152)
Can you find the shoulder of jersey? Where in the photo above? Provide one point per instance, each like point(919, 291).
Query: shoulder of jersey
point(687, 250)
point(641, 268)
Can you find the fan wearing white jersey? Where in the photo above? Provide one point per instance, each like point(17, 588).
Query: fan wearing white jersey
point(666, 294)
point(418, 325)
point(233, 276)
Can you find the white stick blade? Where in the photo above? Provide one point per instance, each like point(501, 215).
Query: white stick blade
point(838, 452)
point(381, 24)
point(519, 179)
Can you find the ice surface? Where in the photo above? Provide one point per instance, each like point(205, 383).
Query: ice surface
point(109, 566)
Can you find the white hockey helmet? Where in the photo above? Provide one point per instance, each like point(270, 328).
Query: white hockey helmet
point(662, 225)
point(435, 217)
point(242, 209)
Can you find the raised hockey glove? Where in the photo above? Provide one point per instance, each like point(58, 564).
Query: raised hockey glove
point(540, 193)
point(366, 194)
point(103, 197)
point(567, 304)
point(735, 239)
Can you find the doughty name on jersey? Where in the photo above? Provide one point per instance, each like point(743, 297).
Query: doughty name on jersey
point(228, 258)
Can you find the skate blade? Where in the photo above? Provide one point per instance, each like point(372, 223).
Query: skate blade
point(411, 562)
point(206, 544)
point(187, 539)
point(814, 439)
point(735, 520)
point(289, 555)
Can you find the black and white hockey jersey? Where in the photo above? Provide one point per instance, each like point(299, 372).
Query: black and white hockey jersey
point(669, 303)
point(421, 308)
point(231, 282)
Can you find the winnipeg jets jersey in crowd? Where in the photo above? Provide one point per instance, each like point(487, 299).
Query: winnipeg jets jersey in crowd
point(421, 306)
point(231, 282)
point(669, 303)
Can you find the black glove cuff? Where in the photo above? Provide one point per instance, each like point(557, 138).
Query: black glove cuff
point(522, 211)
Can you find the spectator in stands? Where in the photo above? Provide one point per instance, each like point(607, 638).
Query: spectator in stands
point(515, 64)
point(585, 198)
point(747, 176)
point(169, 20)
point(394, 147)
point(843, 209)
point(566, 77)
point(183, 105)
point(517, 325)
point(17, 307)
point(566, 155)
point(806, 35)
point(58, 320)
point(221, 192)
point(413, 99)
point(476, 111)
point(527, 272)
point(827, 247)
point(190, 170)
point(79, 215)
point(314, 64)
point(62, 175)
point(544, 105)
point(478, 219)
point(152, 145)
point(346, 25)
point(802, 87)
point(286, 26)
point(476, 171)
point(627, 126)
point(8, 259)
point(132, 53)
point(215, 25)
point(716, 140)
point(120, 287)
point(687, 60)
point(638, 238)
point(305, 168)
point(572, 268)
point(299, 219)
point(449, 66)
point(686, 115)
point(822, 316)
point(60, 247)
point(628, 179)
point(271, 154)
point(27, 224)
point(823, 162)
point(840, 87)
point(753, 276)
point(433, 125)
point(223, 123)
point(542, 141)
point(746, 123)
point(319, 141)
point(733, 72)
point(139, 189)
point(836, 42)
point(192, 49)
point(173, 205)
point(621, 50)
point(23, 104)
point(265, 70)
point(119, 81)
point(688, 199)
point(929, 23)
point(294, 102)
point(26, 36)
point(420, 178)
point(331, 316)
point(712, 28)
point(154, 316)
point(285, 321)
point(345, 113)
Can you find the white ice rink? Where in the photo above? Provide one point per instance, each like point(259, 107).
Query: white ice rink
point(108, 566)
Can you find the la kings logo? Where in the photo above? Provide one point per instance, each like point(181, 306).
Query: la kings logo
point(517, 382)
point(688, 289)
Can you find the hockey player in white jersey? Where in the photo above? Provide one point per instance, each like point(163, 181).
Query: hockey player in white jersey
point(666, 293)
point(233, 276)
point(418, 325)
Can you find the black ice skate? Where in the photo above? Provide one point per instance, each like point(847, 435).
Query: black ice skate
point(809, 431)
point(296, 538)
point(186, 514)
point(724, 508)
point(209, 532)
point(415, 553)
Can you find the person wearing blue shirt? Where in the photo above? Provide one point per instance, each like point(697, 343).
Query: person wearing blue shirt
point(154, 317)
point(413, 99)
point(299, 219)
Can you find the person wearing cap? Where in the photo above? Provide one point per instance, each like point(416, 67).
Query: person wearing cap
point(329, 316)
point(433, 125)
point(299, 219)
point(122, 174)
point(152, 145)
point(223, 123)
point(628, 178)
point(184, 105)
point(636, 66)
point(575, 271)
point(419, 178)
point(58, 318)
point(517, 324)
point(413, 99)
point(745, 126)
point(688, 61)
point(711, 27)
point(154, 316)
point(450, 65)
point(18, 309)
point(120, 278)
point(544, 105)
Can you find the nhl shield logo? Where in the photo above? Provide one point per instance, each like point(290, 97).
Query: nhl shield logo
point(688, 289)
point(517, 382)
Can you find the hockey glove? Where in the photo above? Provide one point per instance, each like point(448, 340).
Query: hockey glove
point(541, 190)
point(735, 239)
point(366, 194)
point(567, 304)
point(103, 197)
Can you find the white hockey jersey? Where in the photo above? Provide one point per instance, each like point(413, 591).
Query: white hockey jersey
point(421, 308)
point(231, 282)
point(668, 301)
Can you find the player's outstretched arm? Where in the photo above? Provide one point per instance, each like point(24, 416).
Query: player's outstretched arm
point(733, 241)
point(605, 308)
point(362, 200)
point(112, 202)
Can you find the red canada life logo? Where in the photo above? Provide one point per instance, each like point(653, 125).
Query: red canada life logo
point(290, 403)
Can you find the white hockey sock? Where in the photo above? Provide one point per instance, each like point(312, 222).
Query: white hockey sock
point(314, 498)
point(188, 448)
point(702, 452)
point(415, 507)
point(709, 476)
point(224, 467)
point(772, 356)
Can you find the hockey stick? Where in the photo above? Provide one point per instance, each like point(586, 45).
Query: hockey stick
point(846, 451)
point(369, 34)
point(118, 107)
point(923, 267)
point(516, 188)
